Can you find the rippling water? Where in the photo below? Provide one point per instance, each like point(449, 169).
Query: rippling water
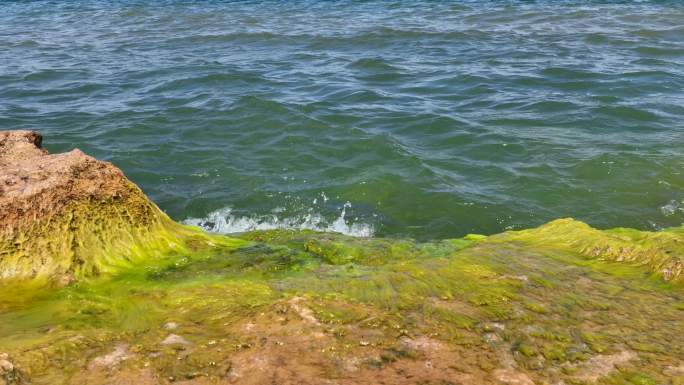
point(427, 119)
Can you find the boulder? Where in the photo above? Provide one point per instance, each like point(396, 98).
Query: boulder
point(63, 216)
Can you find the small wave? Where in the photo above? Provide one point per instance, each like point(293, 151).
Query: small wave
point(660, 51)
point(672, 207)
point(372, 64)
point(225, 38)
point(225, 222)
point(627, 112)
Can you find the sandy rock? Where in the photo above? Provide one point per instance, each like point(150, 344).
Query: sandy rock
point(112, 359)
point(491, 338)
point(8, 371)
point(602, 365)
point(6, 366)
point(303, 311)
point(421, 344)
point(170, 326)
point(512, 377)
point(674, 371)
point(174, 339)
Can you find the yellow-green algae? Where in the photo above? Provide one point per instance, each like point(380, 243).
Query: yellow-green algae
point(89, 238)
point(552, 303)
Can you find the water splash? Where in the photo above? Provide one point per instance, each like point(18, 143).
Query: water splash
point(225, 222)
point(672, 207)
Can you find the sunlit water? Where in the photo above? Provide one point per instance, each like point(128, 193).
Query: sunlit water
point(426, 119)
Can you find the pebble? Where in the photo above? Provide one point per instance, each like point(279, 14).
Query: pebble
point(171, 326)
point(491, 337)
point(174, 339)
point(5, 365)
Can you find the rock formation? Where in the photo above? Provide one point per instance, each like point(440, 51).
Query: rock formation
point(68, 215)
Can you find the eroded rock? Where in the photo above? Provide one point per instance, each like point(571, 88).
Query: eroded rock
point(112, 359)
point(512, 377)
point(171, 326)
point(67, 215)
point(9, 374)
point(602, 365)
point(174, 339)
point(303, 311)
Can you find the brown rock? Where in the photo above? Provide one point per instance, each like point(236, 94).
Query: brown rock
point(9, 374)
point(67, 215)
point(112, 359)
point(174, 339)
point(512, 377)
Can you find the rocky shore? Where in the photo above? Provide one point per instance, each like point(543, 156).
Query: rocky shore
point(68, 215)
point(98, 286)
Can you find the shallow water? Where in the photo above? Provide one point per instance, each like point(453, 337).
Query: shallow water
point(430, 119)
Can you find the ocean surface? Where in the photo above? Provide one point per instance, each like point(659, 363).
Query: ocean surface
point(425, 119)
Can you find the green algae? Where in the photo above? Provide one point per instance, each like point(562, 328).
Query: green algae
point(661, 252)
point(528, 295)
point(90, 238)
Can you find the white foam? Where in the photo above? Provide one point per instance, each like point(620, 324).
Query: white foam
point(225, 222)
point(672, 207)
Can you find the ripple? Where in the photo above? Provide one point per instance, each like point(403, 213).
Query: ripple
point(242, 37)
point(372, 64)
point(568, 73)
point(431, 121)
point(660, 51)
point(52, 74)
point(627, 112)
point(212, 80)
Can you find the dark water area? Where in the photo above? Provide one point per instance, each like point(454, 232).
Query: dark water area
point(422, 119)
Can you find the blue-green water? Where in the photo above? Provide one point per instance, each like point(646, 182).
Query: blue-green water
point(431, 119)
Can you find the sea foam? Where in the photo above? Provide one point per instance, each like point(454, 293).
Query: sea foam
point(225, 222)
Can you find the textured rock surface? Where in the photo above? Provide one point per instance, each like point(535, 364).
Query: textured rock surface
point(66, 215)
point(661, 251)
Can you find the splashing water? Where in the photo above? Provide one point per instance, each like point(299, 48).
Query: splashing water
point(225, 222)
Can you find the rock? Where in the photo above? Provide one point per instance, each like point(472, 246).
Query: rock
point(170, 326)
point(512, 377)
point(67, 215)
point(493, 327)
point(600, 366)
point(6, 366)
point(112, 359)
point(9, 374)
point(660, 251)
point(421, 344)
point(674, 371)
point(303, 311)
point(491, 338)
point(174, 339)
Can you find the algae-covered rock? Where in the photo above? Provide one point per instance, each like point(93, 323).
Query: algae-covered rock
point(661, 251)
point(67, 215)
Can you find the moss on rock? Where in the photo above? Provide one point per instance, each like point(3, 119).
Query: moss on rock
point(662, 252)
point(69, 215)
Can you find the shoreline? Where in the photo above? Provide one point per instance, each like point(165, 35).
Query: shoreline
point(103, 288)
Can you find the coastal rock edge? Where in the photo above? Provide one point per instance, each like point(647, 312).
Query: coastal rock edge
point(67, 215)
